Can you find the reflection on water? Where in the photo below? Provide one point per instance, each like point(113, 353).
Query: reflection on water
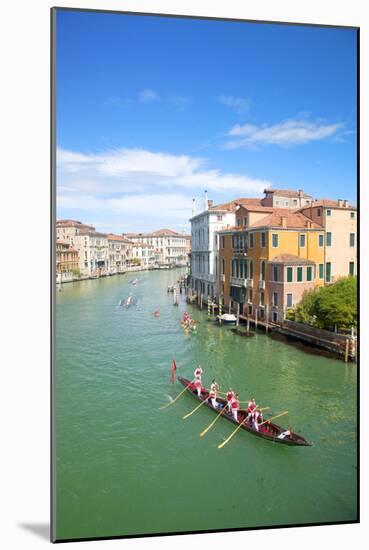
point(126, 467)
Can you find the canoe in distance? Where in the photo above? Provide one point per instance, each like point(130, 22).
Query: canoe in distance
point(269, 430)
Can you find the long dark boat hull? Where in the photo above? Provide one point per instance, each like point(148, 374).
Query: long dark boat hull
point(269, 431)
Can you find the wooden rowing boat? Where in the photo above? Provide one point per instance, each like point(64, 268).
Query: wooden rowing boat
point(268, 431)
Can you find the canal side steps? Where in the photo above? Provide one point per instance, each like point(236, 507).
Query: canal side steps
point(344, 345)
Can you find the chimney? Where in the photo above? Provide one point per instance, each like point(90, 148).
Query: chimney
point(284, 221)
point(206, 200)
point(340, 203)
point(301, 193)
point(193, 207)
point(308, 224)
point(210, 203)
point(345, 203)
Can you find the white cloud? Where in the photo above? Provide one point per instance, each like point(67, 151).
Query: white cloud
point(285, 134)
point(131, 170)
point(146, 96)
point(240, 104)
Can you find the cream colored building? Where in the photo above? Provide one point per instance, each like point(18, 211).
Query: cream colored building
point(168, 247)
point(143, 255)
point(120, 253)
point(339, 220)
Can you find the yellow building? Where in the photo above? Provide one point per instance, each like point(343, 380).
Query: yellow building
point(268, 260)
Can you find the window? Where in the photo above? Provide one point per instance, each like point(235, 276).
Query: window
point(329, 239)
point(263, 240)
point(328, 273)
point(262, 297)
point(289, 300)
point(223, 266)
point(222, 241)
point(250, 295)
point(276, 203)
point(275, 298)
point(309, 273)
point(295, 202)
point(289, 274)
point(352, 215)
point(302, 241)
point(251, 269)
point(286, 203)
point(352, 239)
point(250, 309)
point(251, 240)
point(275, 273)
point(275, 240)
point(318, 212)
point(299, 274)
point(275, 317)
point(262, 270)
point(352, 268)
point(245, 221)
point(238, 222)
point(321, 241)
point(321, 271)
point(219, 218)
point(329, 212)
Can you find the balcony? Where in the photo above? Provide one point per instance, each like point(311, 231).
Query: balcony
point(222, 278)
point(249, 283)
point(261, 284)
point(241, 251)
point(237, 281)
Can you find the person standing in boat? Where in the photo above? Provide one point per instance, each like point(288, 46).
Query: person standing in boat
point(235, 407)
point(230, 397)
point(198, 373)
point(198, 386)
point(258, 418)
point(250, 410)
point(214, 385)
point(213, 398)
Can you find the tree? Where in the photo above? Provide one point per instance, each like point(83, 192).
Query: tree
point(329, 306)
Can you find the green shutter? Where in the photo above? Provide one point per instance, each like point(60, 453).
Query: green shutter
point(289, 274)
point(309, 273)
point(299, 274)
point(321, 271)
point(328, 272)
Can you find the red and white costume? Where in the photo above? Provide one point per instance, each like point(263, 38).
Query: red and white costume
point(198, 373)
point(250, 410)
point(235, 406)
point(213, 398)
point(230, 397)
point(258, 418)
point(198, 386)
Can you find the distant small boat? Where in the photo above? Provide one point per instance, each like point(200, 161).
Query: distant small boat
point(134, 282)
point(228, 319)
point(156, 313)
point(128, 302)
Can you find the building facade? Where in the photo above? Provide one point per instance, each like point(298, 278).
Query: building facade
point(168, 247)
point(67, 261)
point(265, 267)
point(120, 253)
point(339, 220)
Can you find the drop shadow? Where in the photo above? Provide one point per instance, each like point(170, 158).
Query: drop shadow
point(42, 530)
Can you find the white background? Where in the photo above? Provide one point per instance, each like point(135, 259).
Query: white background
point(24, 305)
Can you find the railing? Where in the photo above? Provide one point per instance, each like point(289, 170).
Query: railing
point(249, 283)
point(222, 278)
point(261, 284)
point(238, 281)
point(240, 251)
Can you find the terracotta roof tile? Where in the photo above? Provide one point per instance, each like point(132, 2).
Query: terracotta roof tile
point(288, 193)
point(290, 259)
point(283, 217)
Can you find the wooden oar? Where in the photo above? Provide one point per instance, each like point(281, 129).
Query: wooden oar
point(241, 424)
point(195, 409)
point(273, 418)
point(178, 396)
point(232, 434)
point(213, 422)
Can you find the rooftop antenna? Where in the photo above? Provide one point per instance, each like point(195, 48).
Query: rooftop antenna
point(206, 206)
point(193, 207)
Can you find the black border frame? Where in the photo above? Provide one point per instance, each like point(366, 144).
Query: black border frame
point(53, 31)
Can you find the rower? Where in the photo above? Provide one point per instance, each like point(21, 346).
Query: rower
point(198, 372)
point(198, 386)
point(258, 418)
point(214, 385)
point(250, 410)
point(213, 398)
point(235, 407)
point(230, 397)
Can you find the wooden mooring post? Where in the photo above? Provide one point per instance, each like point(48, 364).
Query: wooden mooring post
point(256, 318)
point(346, 349)
point(209, 308)
point(238, 314)
point(220, 310)
point(230, 306)
point(201, 301)
point(248, 323)
point(266, 319)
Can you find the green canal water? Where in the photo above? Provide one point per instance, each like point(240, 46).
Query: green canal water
point(125, 467)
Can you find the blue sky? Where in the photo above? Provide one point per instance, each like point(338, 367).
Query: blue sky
point(152, 111)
